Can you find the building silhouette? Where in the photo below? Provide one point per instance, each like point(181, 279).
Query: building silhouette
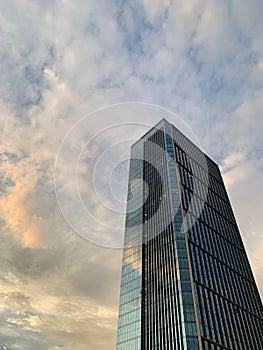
point(186, 280)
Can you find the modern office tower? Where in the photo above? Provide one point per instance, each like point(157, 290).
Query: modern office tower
point(186, 280)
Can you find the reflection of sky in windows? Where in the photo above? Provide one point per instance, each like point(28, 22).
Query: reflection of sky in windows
point(221, 277)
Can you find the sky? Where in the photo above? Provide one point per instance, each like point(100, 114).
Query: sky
point(67, 71)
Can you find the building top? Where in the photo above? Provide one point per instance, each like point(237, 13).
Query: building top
point(164, 122)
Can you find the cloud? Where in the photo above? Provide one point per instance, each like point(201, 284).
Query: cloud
point(44, 290)
point(59, 62)
point(242, 178)
point(14, 213)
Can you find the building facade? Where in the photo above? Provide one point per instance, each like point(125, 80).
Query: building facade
point(186, 281)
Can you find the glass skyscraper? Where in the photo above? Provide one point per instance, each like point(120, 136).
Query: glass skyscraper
point(186, 280)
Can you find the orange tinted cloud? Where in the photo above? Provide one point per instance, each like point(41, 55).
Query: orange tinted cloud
point(14, 208)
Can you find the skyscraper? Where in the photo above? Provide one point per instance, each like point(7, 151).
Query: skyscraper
point(186, 280)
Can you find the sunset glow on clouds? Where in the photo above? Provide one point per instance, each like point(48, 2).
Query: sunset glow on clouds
point(60, 61)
